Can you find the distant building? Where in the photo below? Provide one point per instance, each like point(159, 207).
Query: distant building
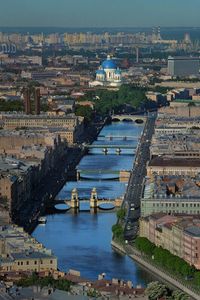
point(108, 74)
point(58, 101)
point(69, 127)
point(183, 66)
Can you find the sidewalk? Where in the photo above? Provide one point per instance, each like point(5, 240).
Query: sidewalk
point(156, 270)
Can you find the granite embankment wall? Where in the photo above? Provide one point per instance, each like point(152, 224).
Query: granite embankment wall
point(139, 258)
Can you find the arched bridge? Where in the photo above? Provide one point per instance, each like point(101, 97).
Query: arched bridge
point(134, 118)
point(94, 201)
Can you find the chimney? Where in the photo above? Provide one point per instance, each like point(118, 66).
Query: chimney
point(27, 101)
point(37, 101)
point(137, 55)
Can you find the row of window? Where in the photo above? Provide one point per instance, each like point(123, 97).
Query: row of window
point(176, 205)
point(177, 211)
point(21, 263)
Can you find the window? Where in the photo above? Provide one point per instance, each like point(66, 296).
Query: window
point(35, 262)
point(21, 263)
point(51, 261)
point(27, 262)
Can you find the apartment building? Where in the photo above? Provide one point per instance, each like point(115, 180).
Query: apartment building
point(20, 252)
point(162, 165)
point(178, 234)
point(12, 121)
point(171, 194)
point(176, 145)
point(24, 161)
point(70, 126)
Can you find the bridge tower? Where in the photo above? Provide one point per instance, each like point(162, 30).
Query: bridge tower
point(74, 199)
point(94, 199)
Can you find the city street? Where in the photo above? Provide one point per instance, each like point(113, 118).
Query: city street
point(135, 185)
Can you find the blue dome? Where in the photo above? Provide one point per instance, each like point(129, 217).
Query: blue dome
point(109, 64)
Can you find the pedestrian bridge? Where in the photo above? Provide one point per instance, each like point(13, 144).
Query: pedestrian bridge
point(133, 118)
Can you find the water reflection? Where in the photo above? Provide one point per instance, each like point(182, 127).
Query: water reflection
point(82, 241)
point(105, 189)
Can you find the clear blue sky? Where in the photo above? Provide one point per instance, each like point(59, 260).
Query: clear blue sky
point(99, 13)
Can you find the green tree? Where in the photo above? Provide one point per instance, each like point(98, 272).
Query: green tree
point(118, 231)
point(144, 245)
point(121, 213)
point(84, 111)
point(156, 290)
point(197, 278)
point(15, 105)
point(34, 279)
point(178, 295)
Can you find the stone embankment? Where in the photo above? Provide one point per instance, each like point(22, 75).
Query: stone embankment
point(53, 183)
point(160, 274)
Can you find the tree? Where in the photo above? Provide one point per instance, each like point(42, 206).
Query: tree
point(197, 278)
point(34, 279)
point(144, 245)
point(84, 111)
point(15, 105)
point(121, 213)
point(118, 231)
point(156, 290)
point(178, 295)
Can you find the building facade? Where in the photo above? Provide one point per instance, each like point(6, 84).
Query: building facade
point(183, 66)
point(19, 252)
point(178, 234)
point(108, 74)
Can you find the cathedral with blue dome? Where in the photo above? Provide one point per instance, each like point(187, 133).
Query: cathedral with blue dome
point(108, 74)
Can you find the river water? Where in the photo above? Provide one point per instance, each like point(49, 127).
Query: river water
point(82, 241)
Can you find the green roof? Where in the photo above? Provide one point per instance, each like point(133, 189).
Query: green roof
point(187, 101)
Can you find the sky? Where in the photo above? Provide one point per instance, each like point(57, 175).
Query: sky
point(99, 13)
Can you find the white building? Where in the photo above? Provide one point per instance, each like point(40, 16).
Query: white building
point(108, 74)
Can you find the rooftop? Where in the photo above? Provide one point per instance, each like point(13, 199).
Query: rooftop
point(170, 187)
point(174, 162)
point(193, 231)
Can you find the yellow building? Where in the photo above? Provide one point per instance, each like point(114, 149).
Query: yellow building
point(19, 252)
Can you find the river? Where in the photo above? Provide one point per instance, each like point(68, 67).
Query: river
point(82, 241)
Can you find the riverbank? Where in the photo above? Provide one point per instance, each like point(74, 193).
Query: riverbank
point(82, 241)
point(150, 267)
point(55, 180)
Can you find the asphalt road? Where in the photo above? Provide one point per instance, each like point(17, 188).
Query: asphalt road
point(135, 186)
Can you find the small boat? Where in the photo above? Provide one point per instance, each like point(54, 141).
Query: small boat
point(42, 220)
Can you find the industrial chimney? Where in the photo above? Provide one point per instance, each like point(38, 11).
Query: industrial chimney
point(27, 101)
point(37, 101)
